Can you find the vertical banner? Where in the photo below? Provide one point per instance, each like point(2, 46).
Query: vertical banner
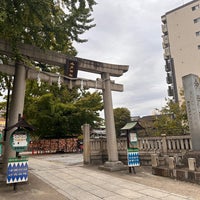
point(133, 157)
point(71, 68)
point(17, 170)
point(132, 151)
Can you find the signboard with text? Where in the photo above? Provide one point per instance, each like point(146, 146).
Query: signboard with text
point(133, 151)
point(19, 140)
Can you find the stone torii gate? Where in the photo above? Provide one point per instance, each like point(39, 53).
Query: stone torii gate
point(21, 72)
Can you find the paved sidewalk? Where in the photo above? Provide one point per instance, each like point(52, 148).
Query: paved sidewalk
point(34, 189)
point(81, 183)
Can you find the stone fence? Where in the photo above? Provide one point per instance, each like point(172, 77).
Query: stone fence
point(147, 146)
point(165, 144)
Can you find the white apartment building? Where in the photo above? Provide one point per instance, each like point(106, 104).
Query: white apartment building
point(181, 44)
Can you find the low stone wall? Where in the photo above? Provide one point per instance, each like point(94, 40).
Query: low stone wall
point(178, 174)
point(147, 146)
point(184, 168)
point(165, 144)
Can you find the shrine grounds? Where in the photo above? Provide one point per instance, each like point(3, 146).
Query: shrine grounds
point(63, 177)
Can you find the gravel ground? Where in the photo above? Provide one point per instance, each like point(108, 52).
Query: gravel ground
point(34, 189)
point(144, 176)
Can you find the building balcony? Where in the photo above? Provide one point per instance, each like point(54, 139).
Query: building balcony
point(167, 53)
point(167, 67)
point(164, 19)
point(169, 78)
point(170, 91)
point(165, 56)
point(165, 39)
point(164, 28)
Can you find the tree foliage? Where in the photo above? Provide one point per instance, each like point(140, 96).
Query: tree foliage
point(52, 25)
point(121, 116)
point(46, 23)
point(60, 113)
point(172, 119)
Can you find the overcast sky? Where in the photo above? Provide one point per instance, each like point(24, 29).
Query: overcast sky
point(128, 32)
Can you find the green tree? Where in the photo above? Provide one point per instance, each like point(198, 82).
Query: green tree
point(60, 112)
point(121, 116)
point(89, 106)
point(53, 25)
point(46, 23)
point(172, 119)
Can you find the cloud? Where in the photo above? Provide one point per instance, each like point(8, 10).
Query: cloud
point(129, 32)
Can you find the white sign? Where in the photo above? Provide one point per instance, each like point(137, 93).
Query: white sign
point(19, 140)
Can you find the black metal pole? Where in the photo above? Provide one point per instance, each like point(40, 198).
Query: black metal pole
point(7, 108)
point(17, 156)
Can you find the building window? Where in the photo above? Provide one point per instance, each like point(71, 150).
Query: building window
point(198, 33)
point(197, 20)
point(195, 7)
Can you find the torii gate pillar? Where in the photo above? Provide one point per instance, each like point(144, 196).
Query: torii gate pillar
point(16, 108)
point(113, 162)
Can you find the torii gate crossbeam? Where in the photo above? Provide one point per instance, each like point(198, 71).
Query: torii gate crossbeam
point(53, 78)
point(59, 59)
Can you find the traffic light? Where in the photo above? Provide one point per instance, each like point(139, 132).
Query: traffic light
point(71, 68)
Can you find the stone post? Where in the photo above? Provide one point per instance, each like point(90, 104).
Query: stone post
point(112, 162)
point(16, 108)
point(171, 163)
point(191, 87)
point(166, 159)
point(192, 164)
point(86, 144)
point(154, 160)
point(164, 144)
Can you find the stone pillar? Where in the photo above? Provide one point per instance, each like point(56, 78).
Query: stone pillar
point(171, 163)
point(16, 108)
point(112, 162)
point(191, 87)
point(166, 159)
point(86, 144)
point(154, 160)
point(192, 164)
point(164, 144)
